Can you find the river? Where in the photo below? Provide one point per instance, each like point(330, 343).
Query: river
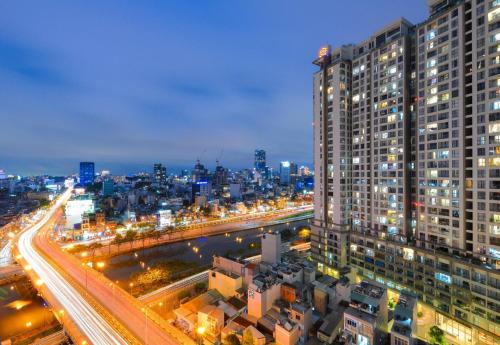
point(200, 250)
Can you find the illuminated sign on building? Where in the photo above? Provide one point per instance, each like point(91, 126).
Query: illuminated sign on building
point(164, 218)
point(323, 51)
point(75, 209)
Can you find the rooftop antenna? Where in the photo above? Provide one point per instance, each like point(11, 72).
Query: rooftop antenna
point(201, 156)
point(219, 157)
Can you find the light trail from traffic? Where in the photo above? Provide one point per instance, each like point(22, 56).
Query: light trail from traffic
point(6, 254)
point(90, 323)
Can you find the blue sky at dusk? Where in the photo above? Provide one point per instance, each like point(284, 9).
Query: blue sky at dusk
point(129, 83)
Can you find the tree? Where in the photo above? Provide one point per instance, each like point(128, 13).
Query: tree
point(183, 294)
point(117, 240)
point(231, 339)
point(129, 236)
point(437, 336)
point(200, 287)
point(247, 337)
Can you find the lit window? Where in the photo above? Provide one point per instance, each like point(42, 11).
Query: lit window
point(481, 162)
point(443, 277)
point(432, 173)
point(495, 105)
point(495, 162)
point(494, 127)
point(433, 90)
point(432, 34)
point(432, 100)
point(445, 202)
point(432, 72)
point(493, 14)
point(495, 218)
point(431, 63)
point(445, 97)
point(355, 160)
point(393, 70)
point(355, 98)
point(495, 38)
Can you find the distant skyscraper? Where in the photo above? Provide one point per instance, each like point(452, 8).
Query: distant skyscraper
point(201, 188)
point(304, 171)
point(200, 173)
point(294, 173)
point(285, 173)
point(220, 177)
point(160, 174)
point(260, 160)
point(108, 187)
point(87, 173)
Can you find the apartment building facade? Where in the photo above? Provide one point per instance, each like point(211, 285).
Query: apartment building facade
point(407, 163)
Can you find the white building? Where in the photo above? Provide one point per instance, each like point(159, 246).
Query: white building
point(76, 207)
point(271, 248)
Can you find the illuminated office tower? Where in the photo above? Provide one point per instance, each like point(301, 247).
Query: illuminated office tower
point(285, 173)
point(260, 160)
point(407, 163)
point(87, 173)
point(160, 174)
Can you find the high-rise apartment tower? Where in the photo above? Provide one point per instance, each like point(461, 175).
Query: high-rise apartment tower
point(407, 163)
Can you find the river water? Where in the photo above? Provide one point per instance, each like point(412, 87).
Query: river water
point(120, 268)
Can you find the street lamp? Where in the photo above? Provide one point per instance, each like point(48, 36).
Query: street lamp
point(200, 330)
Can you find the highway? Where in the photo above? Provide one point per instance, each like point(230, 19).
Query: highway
point(6, 254)
point(103, 312)
point(93, 326)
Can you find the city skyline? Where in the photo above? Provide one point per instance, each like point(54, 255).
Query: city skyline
point(126, 96)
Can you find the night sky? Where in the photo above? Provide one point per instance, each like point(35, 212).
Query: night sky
point(129, 83)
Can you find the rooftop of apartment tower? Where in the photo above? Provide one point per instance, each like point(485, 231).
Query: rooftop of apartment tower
point(370, 290)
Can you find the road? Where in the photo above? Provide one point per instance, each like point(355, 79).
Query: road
point(94, 327)
point(6, 254)
point(103, 311)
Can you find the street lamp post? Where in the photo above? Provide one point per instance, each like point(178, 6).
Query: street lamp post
point(200, 330)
